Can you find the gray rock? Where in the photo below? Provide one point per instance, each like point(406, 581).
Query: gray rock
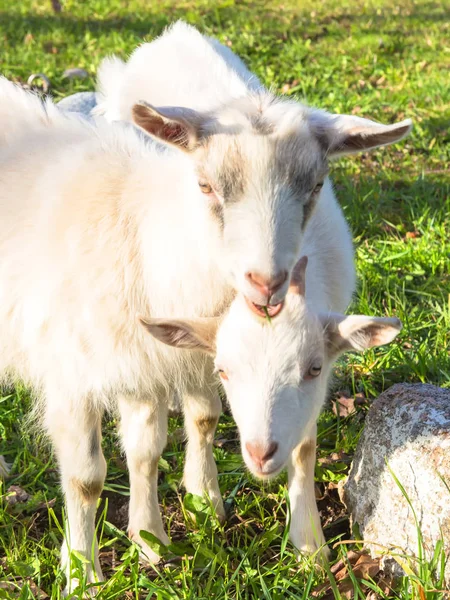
point(75, 73)
point(407, 432)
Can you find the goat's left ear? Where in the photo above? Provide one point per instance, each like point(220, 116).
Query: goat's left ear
point(173, 125)
point(199, 334)
point(346, 134)
point(358, 332)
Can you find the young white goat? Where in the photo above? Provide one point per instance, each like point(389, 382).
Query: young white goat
point(275, 374)
point(98, 226)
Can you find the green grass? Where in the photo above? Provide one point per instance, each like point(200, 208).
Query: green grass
point(384, 60)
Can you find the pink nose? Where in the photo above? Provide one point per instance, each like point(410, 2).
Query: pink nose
point(267, 285)
point(260, 454)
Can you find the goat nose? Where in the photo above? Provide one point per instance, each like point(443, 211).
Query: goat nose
point(267, 285)
point(261, 453)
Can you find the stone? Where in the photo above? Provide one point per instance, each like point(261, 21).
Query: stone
point(76, 73)
point(406, 435)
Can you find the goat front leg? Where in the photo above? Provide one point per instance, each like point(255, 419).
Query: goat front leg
point(143, 430)
point(202, 408)
point(305, 530)
point(75, 431)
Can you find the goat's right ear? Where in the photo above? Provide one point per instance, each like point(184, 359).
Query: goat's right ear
point(341, 135)
point(172, 125)
point(358, 332)
point(199, 334)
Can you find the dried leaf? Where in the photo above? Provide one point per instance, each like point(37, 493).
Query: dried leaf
point(16, 495)
point(346, 405)
point(352, 557)
point(335, 457)
point(362, 566)
point(366, 567)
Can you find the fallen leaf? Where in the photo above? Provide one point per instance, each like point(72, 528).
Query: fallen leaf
point(335, 457)
point(16, 495)
point(346, 405)
point(341, 564)
point(362, 567)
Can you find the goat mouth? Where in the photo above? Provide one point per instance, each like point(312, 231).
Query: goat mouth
point(265, 311)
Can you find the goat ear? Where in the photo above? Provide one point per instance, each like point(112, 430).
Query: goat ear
point(358, 332)
point(189, 335)
point(298, 277)
point(346, 134)
point(175, 126)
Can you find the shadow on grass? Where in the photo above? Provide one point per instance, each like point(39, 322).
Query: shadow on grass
point(293, 22)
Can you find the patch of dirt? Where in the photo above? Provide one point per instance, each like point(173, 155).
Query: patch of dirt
point(117, 512)
point(333, 514)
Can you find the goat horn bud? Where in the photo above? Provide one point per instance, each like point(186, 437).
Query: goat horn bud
point(297, 285)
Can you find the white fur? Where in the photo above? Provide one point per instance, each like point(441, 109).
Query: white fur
point(181, 67)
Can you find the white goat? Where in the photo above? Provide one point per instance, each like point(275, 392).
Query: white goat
point(275, 372)
point(98, 226)
point(185, 68)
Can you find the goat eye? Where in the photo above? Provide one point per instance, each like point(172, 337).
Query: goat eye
point(222, 374)
point(318, 187)
point(314, 371)
point(205, 187)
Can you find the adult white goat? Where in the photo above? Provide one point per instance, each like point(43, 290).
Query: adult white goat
point(275, 372)
point(183, 68)
point(191, 72)
point(97, 225)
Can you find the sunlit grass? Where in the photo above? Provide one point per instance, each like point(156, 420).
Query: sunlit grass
point(371, 59)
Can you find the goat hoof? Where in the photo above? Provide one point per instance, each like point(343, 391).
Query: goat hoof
point(307, 544)
point(319, 554)
point(146, 554)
